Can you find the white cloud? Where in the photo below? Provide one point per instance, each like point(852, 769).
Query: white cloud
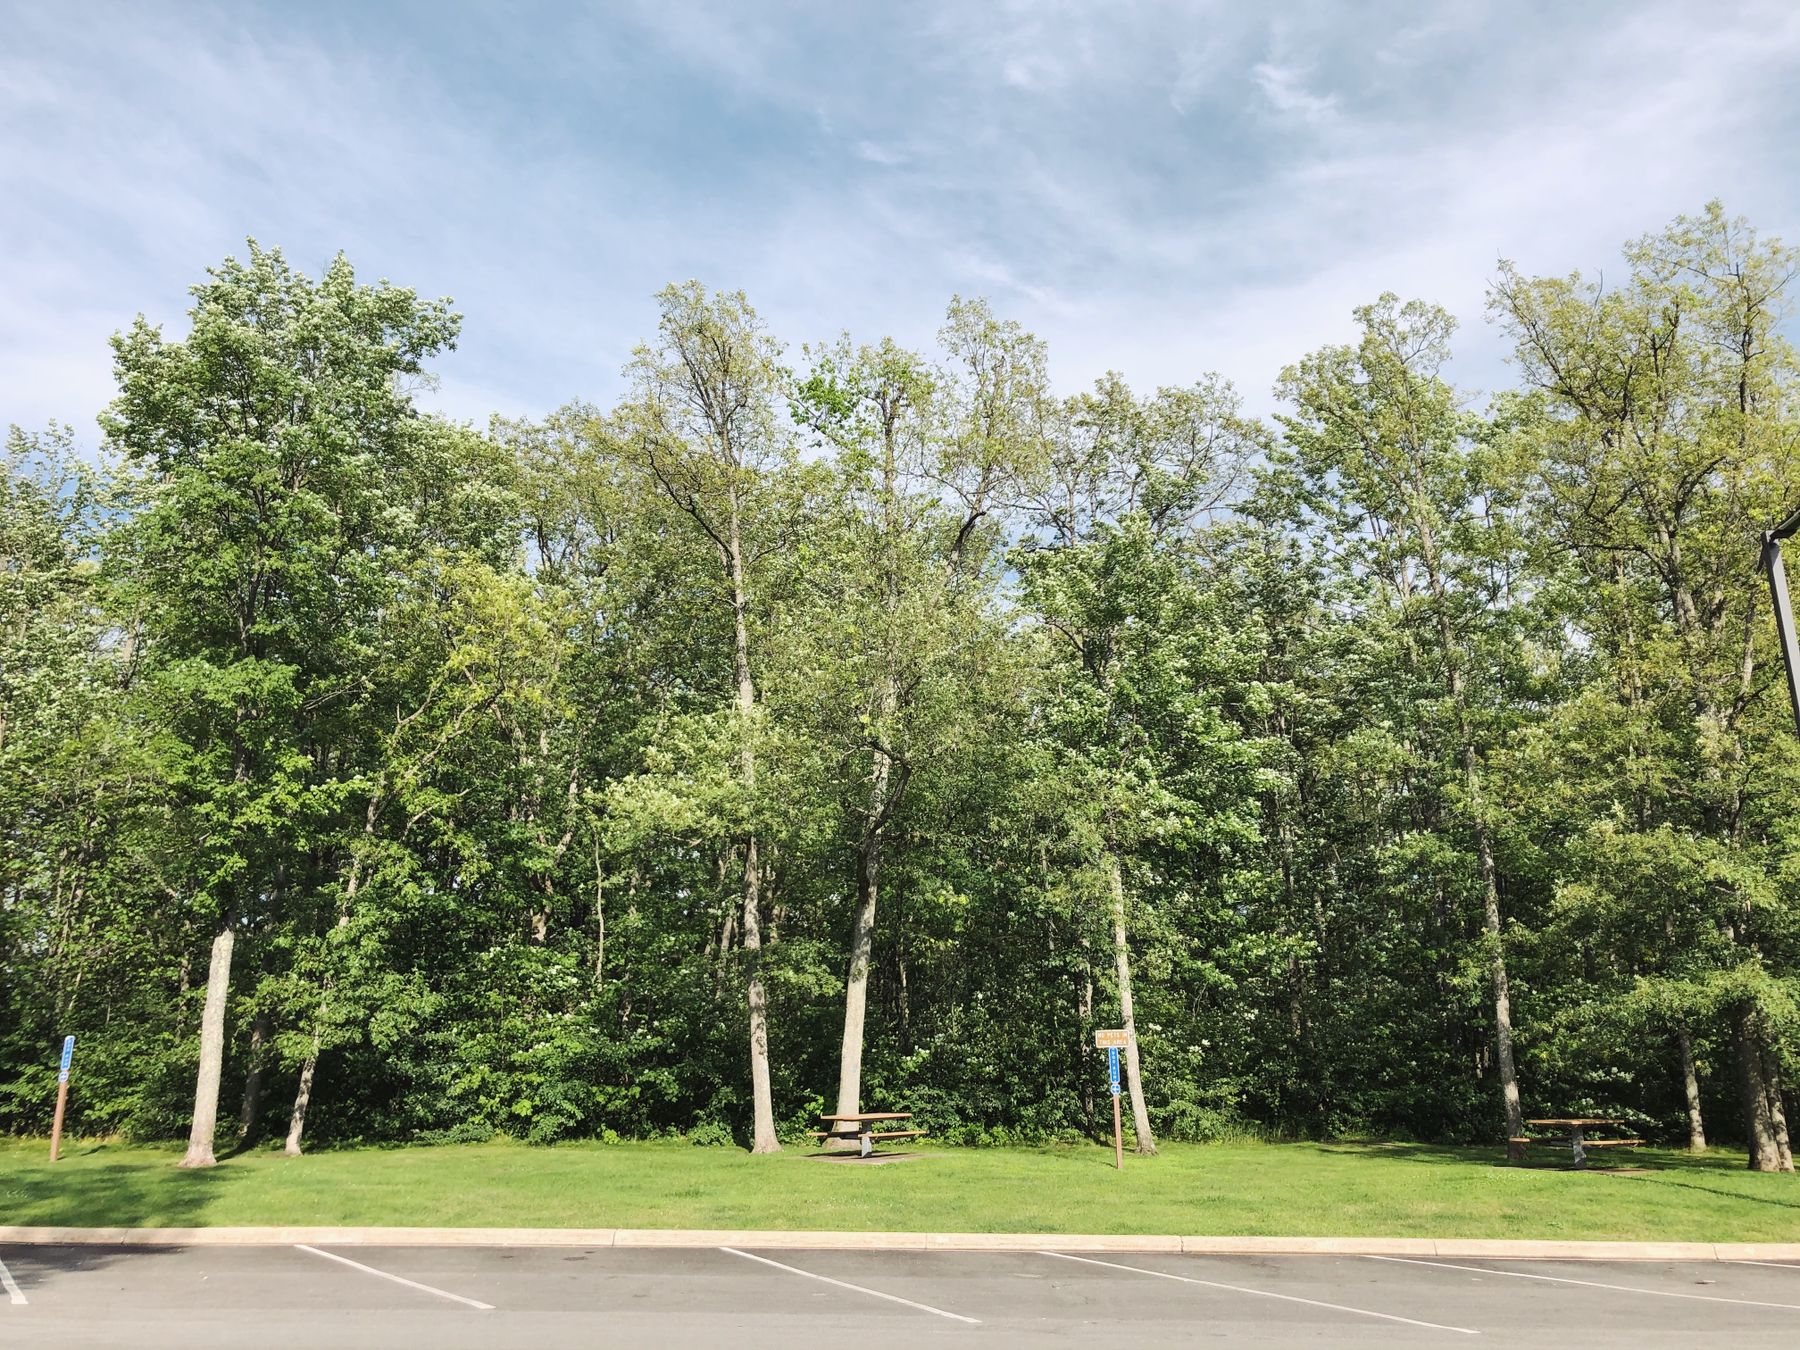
point(1149, 207)
point(884, 155)
point(1285, 89)
point(1030, 71)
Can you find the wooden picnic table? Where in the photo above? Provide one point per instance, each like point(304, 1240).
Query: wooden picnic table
point(865, 1132)
point(1577, 1139)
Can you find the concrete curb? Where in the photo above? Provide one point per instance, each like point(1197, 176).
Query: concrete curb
point(1429, 1248)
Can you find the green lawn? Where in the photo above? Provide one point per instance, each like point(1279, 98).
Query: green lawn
point(1396, 1190)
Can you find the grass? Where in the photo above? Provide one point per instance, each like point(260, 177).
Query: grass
point(1393, 1190)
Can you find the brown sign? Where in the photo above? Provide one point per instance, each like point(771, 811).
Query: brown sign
point(1112, 1039)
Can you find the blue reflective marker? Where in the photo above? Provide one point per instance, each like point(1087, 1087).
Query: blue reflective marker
point(68, 1058)
point(1112, 1067)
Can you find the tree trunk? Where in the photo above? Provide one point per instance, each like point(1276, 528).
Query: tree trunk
point(599, 921)
point(303, 1094)
point(1134, 1082)
point(762, 1097)
point(904, 993)
point(884, 795)
point(1765, 1123)
point(303, 1098)
point(856, 980)
point(212, 1048)
point(251, 1114)
point(1484, 844)
point(1690, 1086)
point(1503, 1046)
point(1084, 1015)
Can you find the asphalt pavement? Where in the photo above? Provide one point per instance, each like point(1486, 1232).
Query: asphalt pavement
point(548, 1298)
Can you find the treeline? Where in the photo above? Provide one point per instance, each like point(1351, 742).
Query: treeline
point(863, 727)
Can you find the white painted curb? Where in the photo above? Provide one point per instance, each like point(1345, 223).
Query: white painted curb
point(1461, 1248)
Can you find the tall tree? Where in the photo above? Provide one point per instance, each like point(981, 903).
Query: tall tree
point(1123, 485)
point(1670, 441)
point(706, 424)
point(267, 433)
point(1400, 466)
point(924, 457)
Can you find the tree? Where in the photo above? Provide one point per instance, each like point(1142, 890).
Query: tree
point(1123, 485)
point(267, 434)
point(705, 425)
point(903, 613)
point(1668, 438)
point(1381, 435)
point(83, 840)
point(924, 717)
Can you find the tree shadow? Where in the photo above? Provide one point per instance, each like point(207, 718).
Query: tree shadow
point(1551, 1158)
point(35, 1267)
point(1730, 1195)
point(1669, 1167)
point(118, 1195)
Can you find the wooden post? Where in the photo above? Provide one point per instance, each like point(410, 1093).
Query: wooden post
point(1112, 1040)
point(62, 1097)
point(62, 1102)
point(1118, 1138)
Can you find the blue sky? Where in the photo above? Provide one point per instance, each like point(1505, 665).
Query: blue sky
point(1164, 189)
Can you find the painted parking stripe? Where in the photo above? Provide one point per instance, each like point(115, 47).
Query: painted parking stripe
point(1591, 1284)
point(1773, 1265)
point(1267, 1293)
point(861, 1289)
point(397, 1279)
point(14, 1294)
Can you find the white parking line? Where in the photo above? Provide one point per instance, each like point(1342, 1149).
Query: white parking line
point(397, 1279)
point(13, 1293)
point(1773, 1265)
point(861, 1289)
point(1265, 1293)
point(1591, 1284)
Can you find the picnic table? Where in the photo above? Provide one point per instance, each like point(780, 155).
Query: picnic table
point(1576, 1139)
point(861, 1127)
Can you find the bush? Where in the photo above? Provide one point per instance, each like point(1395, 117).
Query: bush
point(710, 1134)
point(1191, 1123)
point(468, 1132)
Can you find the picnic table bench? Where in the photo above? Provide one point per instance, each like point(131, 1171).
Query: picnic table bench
point(1576, 1138)
point(861, 1128)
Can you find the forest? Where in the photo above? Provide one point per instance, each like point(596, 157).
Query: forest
point(833, 725)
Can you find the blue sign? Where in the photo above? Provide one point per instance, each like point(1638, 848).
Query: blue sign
point(1112, 1067)
point(68, 1057)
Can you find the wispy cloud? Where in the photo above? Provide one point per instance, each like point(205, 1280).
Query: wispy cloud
point(879, 154)
point(1164, 188)
point(1285, 89)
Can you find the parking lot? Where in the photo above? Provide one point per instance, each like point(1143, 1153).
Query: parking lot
point(692, 1297)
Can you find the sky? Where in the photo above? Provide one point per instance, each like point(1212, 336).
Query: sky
point(1163, 189)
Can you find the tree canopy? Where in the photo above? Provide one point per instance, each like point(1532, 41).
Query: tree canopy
point(844, 727)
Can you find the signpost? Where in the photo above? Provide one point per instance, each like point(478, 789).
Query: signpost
point(62, 1096)
point(1112, 1041)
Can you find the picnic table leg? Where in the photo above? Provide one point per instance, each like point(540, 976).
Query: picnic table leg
point(868, 1145)
point(1575, 1146)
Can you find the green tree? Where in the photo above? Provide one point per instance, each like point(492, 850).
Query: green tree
point(1429, 510)
point(705, 424)
point(267, 435)
point(1668, 435)
point(1122, 486)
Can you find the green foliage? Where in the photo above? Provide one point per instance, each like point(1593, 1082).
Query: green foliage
point(467, 734)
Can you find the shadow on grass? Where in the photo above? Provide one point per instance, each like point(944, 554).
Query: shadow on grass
point(1669, 1168)
point(116, 1195)
point(1455, 1155)
point(1729, 1195)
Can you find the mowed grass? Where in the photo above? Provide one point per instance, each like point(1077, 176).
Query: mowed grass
point(1395, 1190)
